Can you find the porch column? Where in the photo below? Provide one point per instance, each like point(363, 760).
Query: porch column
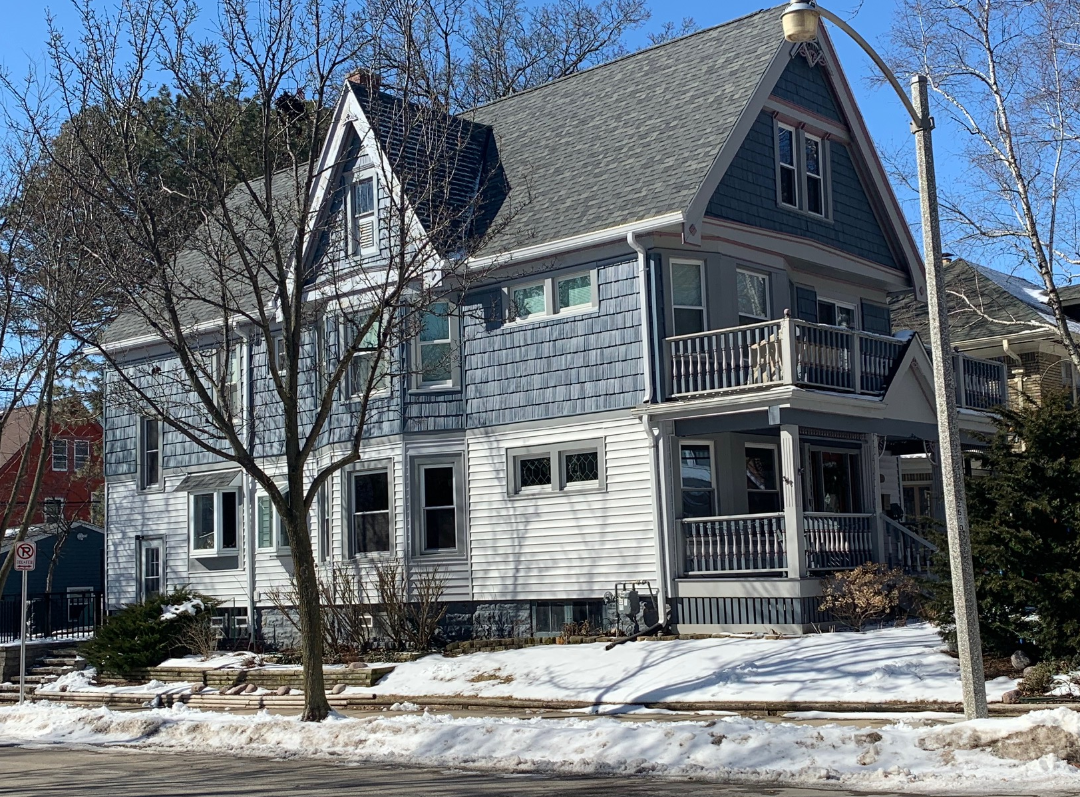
point(793, 500)
point(873, 496)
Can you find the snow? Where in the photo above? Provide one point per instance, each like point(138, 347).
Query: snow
point(891, 664)
point(222, 662)
point(191, 606)
point(980, 757)
point(82, 681)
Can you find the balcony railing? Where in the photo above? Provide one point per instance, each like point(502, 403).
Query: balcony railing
point(735, 544)
point(906, 549)
point(793, 352)
point(838, 541)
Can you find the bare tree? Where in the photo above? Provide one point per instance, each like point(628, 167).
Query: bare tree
point(1007, 74)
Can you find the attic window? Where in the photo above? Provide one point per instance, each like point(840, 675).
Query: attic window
point(802, 171)
point(360, 209)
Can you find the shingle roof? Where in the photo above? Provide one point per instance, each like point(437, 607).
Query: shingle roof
point(983, 303)
point(628, 140)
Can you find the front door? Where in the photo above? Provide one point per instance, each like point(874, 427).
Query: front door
point(151, 567)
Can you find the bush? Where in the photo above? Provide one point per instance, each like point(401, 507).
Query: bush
point(1039, 679)
point(867, 593)
point(137, 636)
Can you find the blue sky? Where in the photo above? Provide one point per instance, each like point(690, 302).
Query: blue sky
point(22, 35)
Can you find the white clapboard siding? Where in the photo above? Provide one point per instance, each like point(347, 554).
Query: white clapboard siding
point(567, 545)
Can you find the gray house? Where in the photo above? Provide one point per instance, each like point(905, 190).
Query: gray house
point(679, 367)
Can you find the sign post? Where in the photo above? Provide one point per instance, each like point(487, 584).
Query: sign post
point(25, 561)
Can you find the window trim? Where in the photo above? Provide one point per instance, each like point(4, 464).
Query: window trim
point(794, 167)
point(854, 308)
point(681, 261)
point(550, 284)
point(556, 452)
point(57, 501)
point(776, 467)
point(594, 292)
point(350, 394)
point(349, 507)
point(454, 383)
point(218, 549)
point(278, 546)
point(511, 314)
point(75, 454)
point(806, 176)
point(418, 529)
point(349, 179)
point(52, 456)
point(800, 134)
point(141, 452)
point(764, 276)
point(689, 441)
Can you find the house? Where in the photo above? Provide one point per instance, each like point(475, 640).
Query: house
point(678, 367)
point(72, 477)
point(79, 567)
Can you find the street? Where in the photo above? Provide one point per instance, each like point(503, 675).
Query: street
point(62, 771)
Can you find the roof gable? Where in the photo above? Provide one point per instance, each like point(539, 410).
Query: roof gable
point(807, 86)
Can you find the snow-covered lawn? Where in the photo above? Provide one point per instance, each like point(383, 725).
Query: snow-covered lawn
point(904, 664)
point(1001, 755)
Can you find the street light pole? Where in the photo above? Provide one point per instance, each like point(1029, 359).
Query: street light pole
point(801, 20)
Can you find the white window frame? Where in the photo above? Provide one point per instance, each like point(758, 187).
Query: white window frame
point(279, 541)
point(421, 468)
point(837, 303)
point(556, 454)
point(681, 442)
point(454, 382)
point(776, 466)
point(511, 306)
point(550, 286)
point(142, 451)
point(594, 293)
point(75, 456)
point(56, 501)
point(218, 549)
point(700, 264)
point(768, 293)
point(65, 458)
point(799, 136)
point(350, 510)
point(382, 385)
point(351, 249)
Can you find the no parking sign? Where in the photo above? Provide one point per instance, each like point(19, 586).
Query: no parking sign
point(26, 555)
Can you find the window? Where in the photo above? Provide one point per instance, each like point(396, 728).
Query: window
point(60, 455)
point(762, 484)
point(552, 618)
point(574, 292)
point(787, 168)
point(528, 300)
point(836, 314)
point(687, 298)
point(232, 382)
point(360, 204)
point(802, 171)
point(549, 470)
point(151, 581)
point(435, 346)
point(581, 468)
point(835, 482)
point(371, 512)
point(149, 453)
point(753, 290)
point(366, 357)
point(815, 189)
point(439, 507)
point(696, 478)
point(215, 522)
point(269, 529)
point(53, 510)
point(82, 454)
point(279, 352)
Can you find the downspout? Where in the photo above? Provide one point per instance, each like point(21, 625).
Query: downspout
point(656, 472)
point(249, 483)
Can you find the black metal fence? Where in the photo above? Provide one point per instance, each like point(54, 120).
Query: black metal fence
point(63, 615)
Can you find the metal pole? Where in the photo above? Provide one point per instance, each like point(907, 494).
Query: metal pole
point(968, 643)
point(22, 642)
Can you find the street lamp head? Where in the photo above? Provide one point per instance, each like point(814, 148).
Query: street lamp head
point(801, 21)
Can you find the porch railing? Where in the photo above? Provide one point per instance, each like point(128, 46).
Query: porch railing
point(793, 352)
point(735, 544)
point(906, 549)
point(838, 542)
point(66, 615)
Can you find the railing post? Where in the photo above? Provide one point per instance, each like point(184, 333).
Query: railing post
point(788, 349)
point(793, 500)
point(856, 362)
point(961, 380)
point(874, 499)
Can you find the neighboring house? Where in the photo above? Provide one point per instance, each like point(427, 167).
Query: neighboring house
point(72, 478)
point(80, 563)
point(681, 371)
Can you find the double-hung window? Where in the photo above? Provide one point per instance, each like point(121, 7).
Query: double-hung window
point(439, 508)
point(232, 382)
point(269, 527)
point(802, 171)
point(687, 297)
point(369, 364)
point(53, 510)
point(60, 455)
point(753, 291)
point(435, 347)
point(82, 454)
point(149, 453)
point(360, 212)
point(836, 314)
point(215, 521)
point(762, 484)
point(696, 479)
point(370, 532)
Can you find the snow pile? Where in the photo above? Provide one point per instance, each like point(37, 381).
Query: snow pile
point(892, 664)
point(241, 660)
point(191, 606)
point(1031, 753)
point(83, 681)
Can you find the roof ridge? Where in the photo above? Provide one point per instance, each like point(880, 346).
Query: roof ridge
point(620, 59)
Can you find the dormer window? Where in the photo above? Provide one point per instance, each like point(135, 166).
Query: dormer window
point(802, 171)
point(360, 212)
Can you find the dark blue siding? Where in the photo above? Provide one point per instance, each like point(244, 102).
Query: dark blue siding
point(747, 194)
point(80, 564)
point(807, 87)
point(560, 366)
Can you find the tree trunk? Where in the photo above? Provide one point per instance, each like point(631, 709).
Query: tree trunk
point(316, 707)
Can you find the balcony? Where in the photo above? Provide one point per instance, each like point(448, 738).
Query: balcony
point(793, 352)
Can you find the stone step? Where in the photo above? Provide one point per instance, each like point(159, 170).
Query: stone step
point(71, 663)
point(39, 679)
point(51, 670)
point(64, 652)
